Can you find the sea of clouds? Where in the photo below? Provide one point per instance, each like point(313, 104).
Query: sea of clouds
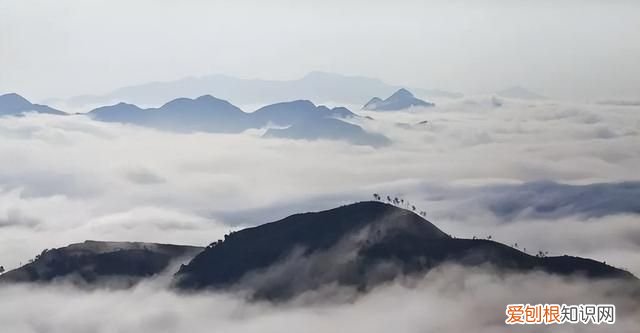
point(551, 176)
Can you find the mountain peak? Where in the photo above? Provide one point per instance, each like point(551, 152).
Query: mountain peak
point(204, 101)
point(402, 93)
point(12, 96)
point(13, 100)
point(282, 259)
point(208, 98)
point(353, 226)
point(14, 104)
point(399, 100)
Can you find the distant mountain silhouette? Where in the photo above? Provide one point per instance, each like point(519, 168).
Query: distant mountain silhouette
point(303, 119)
point(14, 104)
point(400, 100)
point(319, 87)
point(101, 263)
point(328, 128)
point(517, 92)
point(288, 113)
point(205, 113)
point(358, 245)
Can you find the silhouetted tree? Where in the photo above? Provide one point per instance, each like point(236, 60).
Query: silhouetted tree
point(1, 269)
point(38, 256)
point(413, 208)
point(489, 237)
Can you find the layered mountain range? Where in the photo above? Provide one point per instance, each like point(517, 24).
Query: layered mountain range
point(321, 87)
point(300, 119)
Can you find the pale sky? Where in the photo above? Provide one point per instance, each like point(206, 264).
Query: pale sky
point(585, 50)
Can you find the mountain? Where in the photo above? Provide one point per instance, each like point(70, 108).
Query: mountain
point(319, 87)
point(303, 119)
point(14, 104)
point(359, 245)
point(400, 100)
point(288, 113)
point(517, 92)
point(101, 263)
point(205, 113)
point(331, 129)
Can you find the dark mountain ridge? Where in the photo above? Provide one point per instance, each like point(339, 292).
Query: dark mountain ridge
point(358, 245)
point(96, 263)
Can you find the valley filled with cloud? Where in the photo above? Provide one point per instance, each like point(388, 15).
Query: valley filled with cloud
point(354, 166)
point(543, 175)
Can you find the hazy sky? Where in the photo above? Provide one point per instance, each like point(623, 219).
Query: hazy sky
point(571, 49)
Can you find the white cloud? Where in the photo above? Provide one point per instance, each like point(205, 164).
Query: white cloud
point(68, 179)
point(449, 299)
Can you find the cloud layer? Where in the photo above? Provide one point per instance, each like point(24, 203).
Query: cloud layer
point(450, 299)
point(549, 176)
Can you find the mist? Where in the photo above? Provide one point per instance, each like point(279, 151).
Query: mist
point(466, 46)
point(71, 178)
point(437, 301)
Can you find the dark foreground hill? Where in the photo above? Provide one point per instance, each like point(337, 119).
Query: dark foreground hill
point(358, 245)
point(96, 263)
